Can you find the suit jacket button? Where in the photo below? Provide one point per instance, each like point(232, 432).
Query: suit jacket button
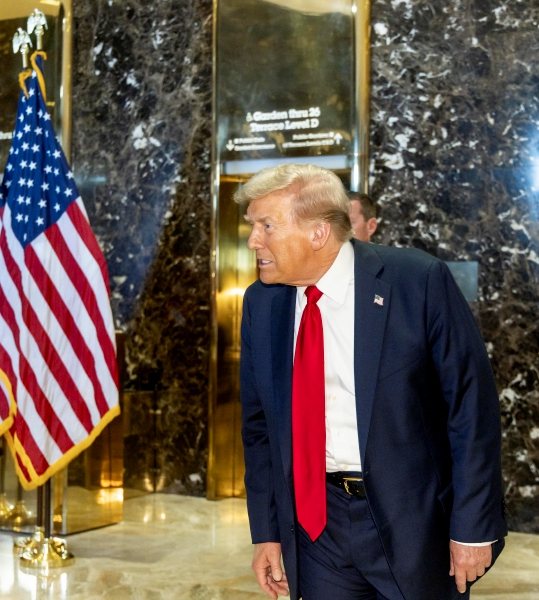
point(292, 528)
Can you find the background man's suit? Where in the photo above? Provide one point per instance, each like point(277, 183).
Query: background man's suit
point(427, 413)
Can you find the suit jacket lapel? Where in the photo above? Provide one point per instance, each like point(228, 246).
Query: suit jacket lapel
point(369, 325)
point(282, 344)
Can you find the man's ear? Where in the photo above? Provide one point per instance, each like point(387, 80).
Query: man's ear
point(320, 235)
point(372, 224)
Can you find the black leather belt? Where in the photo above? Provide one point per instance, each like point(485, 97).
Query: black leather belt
point(352, 484)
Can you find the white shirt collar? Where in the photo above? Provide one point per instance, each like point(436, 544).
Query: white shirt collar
point(335, 281)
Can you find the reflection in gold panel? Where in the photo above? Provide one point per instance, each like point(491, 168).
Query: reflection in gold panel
point(237, 270)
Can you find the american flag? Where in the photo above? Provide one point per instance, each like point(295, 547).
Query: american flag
point(57, 348)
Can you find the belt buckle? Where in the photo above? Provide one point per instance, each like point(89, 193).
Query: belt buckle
point(347, 479)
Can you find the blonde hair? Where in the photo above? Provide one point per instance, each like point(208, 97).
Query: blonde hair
point(319, 194)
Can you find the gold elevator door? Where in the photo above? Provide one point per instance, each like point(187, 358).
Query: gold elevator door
point(294, 90)
point(236, 270)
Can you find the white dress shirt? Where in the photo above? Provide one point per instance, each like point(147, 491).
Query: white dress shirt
point(337, 310)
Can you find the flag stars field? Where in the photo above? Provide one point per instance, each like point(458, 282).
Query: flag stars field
point(34, 120)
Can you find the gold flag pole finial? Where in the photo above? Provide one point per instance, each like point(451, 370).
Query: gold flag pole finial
point(37, 21)
point(22, 43)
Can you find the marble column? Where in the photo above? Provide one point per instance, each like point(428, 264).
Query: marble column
point(141, 154)
point(455, 152)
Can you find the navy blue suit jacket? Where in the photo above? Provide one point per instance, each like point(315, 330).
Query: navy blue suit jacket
point(427, 413)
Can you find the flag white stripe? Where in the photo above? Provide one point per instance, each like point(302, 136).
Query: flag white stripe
point(25, 404)
point(4, 394)
point(77, 309)
point(80, 204)
point(50, 387)
point(60, 341)
point(92, 272)
point(50, 324)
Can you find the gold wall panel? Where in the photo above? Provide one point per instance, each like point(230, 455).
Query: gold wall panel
point(237, 270)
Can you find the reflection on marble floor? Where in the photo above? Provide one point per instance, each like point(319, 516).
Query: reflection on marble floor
point(182, 548)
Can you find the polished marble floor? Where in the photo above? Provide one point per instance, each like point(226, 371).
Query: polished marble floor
point(181, 548)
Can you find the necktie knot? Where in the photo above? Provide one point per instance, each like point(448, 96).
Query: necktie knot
point(313, 294)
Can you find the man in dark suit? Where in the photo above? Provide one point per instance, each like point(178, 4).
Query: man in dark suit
point(366, 362)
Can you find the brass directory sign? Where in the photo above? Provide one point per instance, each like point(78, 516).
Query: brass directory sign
point(284, 75)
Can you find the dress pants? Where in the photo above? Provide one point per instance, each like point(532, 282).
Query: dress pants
point(347, 561)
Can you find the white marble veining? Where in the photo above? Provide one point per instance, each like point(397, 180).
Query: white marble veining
point(182, 548)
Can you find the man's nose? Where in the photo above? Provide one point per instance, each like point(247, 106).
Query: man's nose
point(254, 243)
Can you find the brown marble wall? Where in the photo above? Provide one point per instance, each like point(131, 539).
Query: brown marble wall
point(141, 154)
point(455, 143)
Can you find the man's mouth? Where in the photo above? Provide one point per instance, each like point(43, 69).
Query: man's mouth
point(262, 262)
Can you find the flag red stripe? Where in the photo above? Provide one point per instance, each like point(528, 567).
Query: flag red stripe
point(68, 324)
point(4, 406)
point(87, 236)
point(23, 468)
point(47, 349)
point(7, 367)
point(27, 375)
point(86, 292)
point(27, 441)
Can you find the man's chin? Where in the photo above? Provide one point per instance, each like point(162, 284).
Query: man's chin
point(268, 277)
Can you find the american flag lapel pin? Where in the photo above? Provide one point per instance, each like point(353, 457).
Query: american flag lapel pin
point(378, 300)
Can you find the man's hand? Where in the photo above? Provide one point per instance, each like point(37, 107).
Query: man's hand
point(267, 568)
point(468, 563)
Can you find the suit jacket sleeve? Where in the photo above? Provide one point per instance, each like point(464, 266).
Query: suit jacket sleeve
point(256, 445)
point(474, 428)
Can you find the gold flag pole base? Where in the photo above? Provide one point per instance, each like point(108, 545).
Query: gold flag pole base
point(20, 546)
point(45, 554)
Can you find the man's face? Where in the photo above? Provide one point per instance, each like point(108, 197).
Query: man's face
point(283, 247)
point(363, 229)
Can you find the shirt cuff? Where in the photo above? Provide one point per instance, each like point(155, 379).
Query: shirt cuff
point(475, 543)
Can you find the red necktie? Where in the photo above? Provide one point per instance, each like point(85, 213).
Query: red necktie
point(309, 420)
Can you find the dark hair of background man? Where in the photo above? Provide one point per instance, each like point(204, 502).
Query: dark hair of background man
point(369, 210)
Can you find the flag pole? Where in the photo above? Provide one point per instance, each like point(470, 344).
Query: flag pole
point(45, 552)
point(22, 43)
point(41, 552)
point(37, 22)
point(54, 280)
